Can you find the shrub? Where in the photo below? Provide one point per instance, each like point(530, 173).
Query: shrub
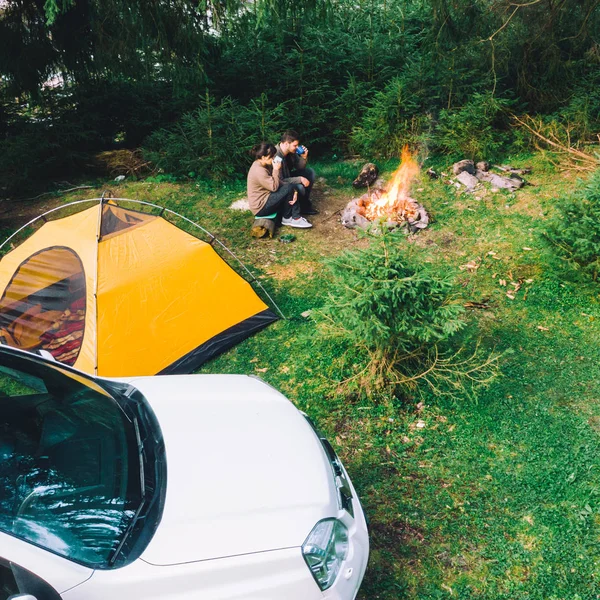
point(214, 140)
point(399, 314)
point(35, 152)
point(473, 130)
point(575, 232)
point(391, 121)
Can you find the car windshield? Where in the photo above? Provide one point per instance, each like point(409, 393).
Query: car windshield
point(70, 472)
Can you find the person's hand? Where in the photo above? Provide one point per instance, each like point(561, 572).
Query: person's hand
point(276, 165)
point(305, 182)
point(294, 198)
point(305, 155)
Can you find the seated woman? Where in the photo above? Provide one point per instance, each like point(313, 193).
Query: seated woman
point(267, 194)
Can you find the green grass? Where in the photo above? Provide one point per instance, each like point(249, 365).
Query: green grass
point(494, 499)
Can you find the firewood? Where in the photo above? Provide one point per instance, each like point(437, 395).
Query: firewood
point(464, 165)
point(513, 171)
point(262, 228)
point(367, 176)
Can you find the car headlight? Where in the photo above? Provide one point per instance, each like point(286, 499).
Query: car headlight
point(325, 549)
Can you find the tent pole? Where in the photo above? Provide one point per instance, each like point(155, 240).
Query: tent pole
point(98, 234)
point(212, 238)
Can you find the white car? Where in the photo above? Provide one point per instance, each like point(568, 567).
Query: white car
point(211, 487)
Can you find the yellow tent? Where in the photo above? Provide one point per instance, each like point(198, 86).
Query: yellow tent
point(117, 292)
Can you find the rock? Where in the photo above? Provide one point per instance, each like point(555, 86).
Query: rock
point(483, 165)
point(468, 180)
point(464, 165)
point(367, 176)
point(420, 222)
point(351, 217)
point(497, 181)
point(119, 178)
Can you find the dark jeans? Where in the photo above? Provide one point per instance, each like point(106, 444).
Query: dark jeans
point(279, 202)
point(304, 192)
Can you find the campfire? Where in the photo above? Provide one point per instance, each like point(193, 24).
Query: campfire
point(392, 207)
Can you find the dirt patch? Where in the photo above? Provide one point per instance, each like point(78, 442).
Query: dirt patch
point(594, 423)
point(287, 272)
point(328, 231)
point(396, 533)
point(16, 213)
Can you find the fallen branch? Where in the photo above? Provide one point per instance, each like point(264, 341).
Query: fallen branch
point(337, 212)
point(590, 161)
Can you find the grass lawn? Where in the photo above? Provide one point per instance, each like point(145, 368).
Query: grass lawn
point(494, 499)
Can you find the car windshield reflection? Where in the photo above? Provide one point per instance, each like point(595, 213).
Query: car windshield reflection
point(70, 476)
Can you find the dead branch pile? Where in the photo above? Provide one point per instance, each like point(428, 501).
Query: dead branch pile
point(123, 162)
point(557, 137)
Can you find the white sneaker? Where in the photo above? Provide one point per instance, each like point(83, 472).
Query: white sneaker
point(300, 222)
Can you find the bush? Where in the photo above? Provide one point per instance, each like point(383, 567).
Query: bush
point(399, 314)
point(473, 131)
point(575, 232)
point(391, 121)
point(35, 152)
point(58, 135)
point(214, 140)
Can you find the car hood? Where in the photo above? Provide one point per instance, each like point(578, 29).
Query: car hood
point(245, 471)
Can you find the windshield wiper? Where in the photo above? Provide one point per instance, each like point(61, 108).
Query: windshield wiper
point(138, 512)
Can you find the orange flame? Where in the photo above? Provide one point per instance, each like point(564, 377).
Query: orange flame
point(396, 202)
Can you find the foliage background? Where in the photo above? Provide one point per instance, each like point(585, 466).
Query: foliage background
point(81, 76)
point(499, 499)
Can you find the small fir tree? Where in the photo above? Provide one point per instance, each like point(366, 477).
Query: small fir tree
point(399, 315)
point(575, 231)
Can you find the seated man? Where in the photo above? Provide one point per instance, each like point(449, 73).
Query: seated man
point(294, 171)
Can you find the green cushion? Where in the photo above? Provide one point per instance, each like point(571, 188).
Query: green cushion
point(267, 216)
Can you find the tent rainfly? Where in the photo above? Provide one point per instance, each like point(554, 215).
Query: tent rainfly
point(118, 292)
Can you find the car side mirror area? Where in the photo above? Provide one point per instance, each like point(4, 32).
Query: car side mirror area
point(30, 586)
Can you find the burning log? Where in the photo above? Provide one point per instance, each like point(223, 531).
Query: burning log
point(392, 208)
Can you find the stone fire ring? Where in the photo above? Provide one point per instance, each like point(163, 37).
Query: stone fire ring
point(352, 219)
